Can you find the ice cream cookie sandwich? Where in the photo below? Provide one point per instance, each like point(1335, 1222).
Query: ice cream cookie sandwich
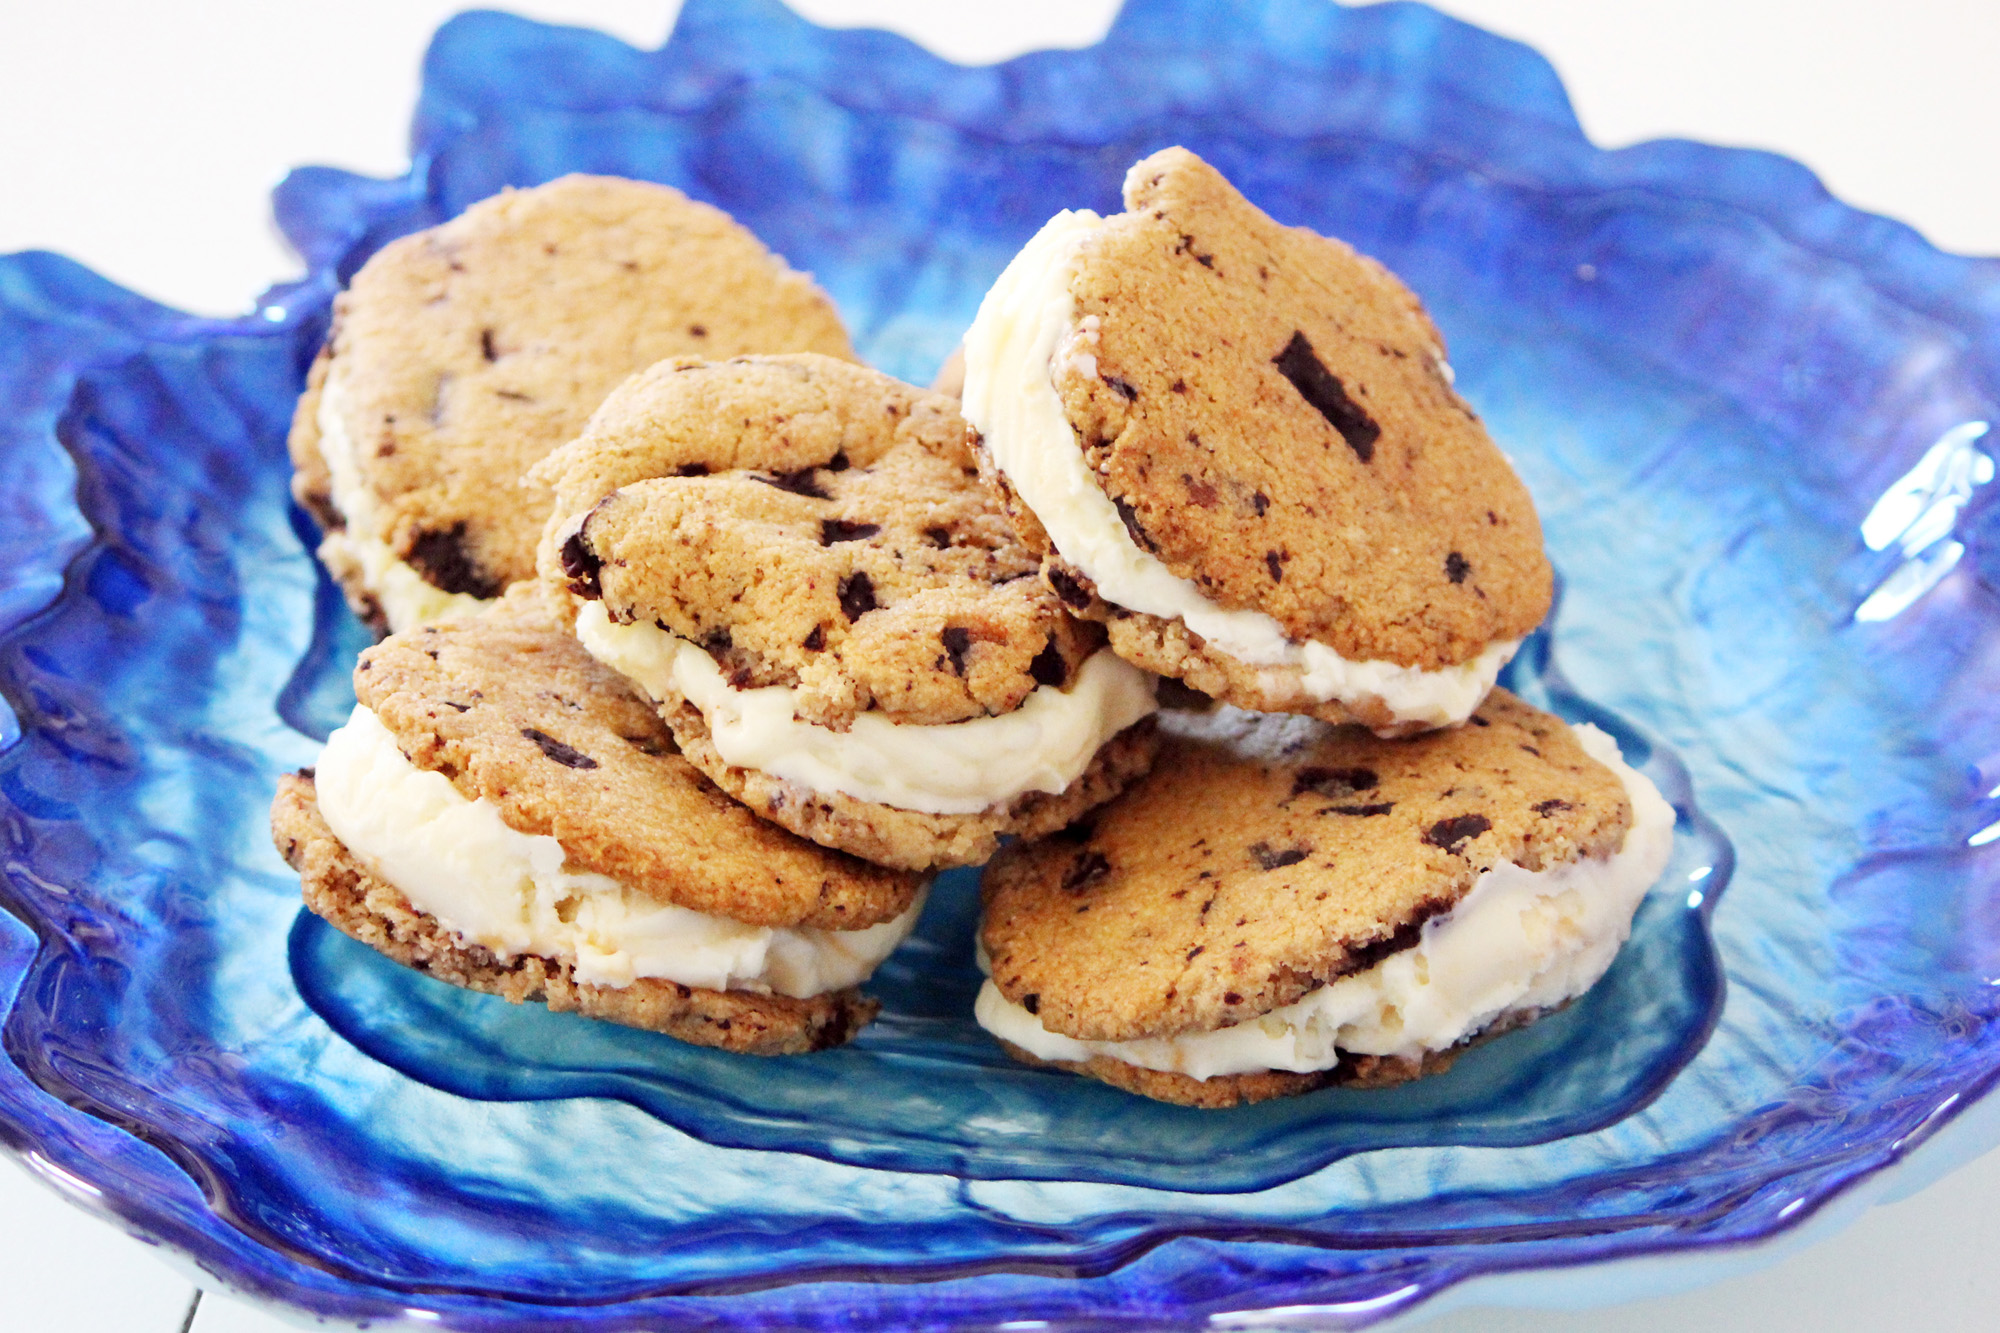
point(794, 556)
point(1283, 905)
point(506, 814)
point(1238, 445)
point(461, 355)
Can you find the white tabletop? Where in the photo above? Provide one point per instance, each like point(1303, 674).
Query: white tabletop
point(143, 137)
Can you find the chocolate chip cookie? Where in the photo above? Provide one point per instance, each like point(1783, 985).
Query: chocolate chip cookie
point(1283, 904)
point(794, 556)
point(1237, 444)
point(506, 814)
point(461, 355)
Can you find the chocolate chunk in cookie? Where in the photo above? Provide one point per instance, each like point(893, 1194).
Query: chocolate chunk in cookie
point(1237, 444)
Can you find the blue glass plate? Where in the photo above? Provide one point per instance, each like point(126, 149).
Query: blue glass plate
point(1748, 414)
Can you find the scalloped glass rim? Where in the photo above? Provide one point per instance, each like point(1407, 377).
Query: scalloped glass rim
point(1864, 934)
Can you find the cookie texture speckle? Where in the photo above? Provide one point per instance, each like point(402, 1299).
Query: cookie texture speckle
point(512, 710)
point(814, 525)
point(1267, 856)
point(461, 355)
point(1271, 414)
point(360, 904)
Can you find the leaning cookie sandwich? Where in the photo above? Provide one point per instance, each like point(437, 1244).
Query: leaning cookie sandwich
point(1283, 905)
point(505, 814)
point(1237, 444)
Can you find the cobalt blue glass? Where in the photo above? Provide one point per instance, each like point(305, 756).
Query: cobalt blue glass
point(1752, 420)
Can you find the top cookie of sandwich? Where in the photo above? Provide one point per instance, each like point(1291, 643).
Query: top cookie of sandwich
point(1266, 856)
point(512, 710)
point(814, 525)
point(463, 354)
point(1272, 417)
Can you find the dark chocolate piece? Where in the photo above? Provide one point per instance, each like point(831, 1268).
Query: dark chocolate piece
point(1072, 593)
point(1323, 389)
point(801, 482)
point(857, 595)
point(567, 756)
point(957, 641)
point(1452, 834)
point(1049, 668)
point(832, 530)
point(1269, 858)
point(1335, 782)
point(582, 566)
point(1085, 871)
point(445, 562)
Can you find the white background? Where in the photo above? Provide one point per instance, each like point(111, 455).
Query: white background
point(142, 137)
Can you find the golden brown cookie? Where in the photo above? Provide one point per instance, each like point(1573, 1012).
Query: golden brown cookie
point(839, 543)
point(1268, 423)
point(1267, 858)
point(461, 355)
point(799, 525)
point(505, 813)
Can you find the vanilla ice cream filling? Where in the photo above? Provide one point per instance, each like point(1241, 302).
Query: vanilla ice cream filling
point(1027, 329)
point(956, 768)
point(1521, 941)
point(406, 597)
point(458, 861)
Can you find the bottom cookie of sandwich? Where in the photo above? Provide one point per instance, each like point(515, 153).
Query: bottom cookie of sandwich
point(341, 890)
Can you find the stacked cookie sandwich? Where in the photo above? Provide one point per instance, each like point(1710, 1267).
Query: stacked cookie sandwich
point(1237, 445)
point(776, 589)
point(1285, 905)
point(504, 813)
point(501, 811)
